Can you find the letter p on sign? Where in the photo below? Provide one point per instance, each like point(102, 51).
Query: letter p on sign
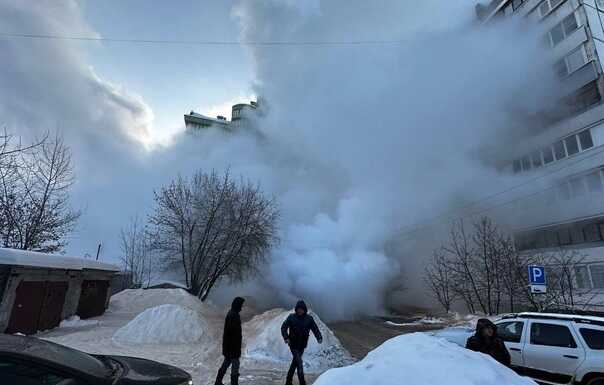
point(537, 275)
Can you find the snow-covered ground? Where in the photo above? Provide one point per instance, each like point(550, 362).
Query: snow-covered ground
point(420, 359)
point(171, 326)
point(266, 344)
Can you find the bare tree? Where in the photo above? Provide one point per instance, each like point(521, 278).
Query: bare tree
point(486, 272)
point(137, 253)
point(212, 227)
point(34, 197)
point(439, 279)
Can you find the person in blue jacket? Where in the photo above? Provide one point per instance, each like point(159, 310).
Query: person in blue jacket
point(295, 331)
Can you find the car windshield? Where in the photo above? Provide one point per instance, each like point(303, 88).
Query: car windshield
point(64, 356)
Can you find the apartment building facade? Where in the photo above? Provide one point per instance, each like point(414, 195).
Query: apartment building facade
point(568, 211)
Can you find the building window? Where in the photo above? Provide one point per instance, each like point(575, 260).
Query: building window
point(577, 186)
point(569, 146)
point(563, 29)
point(560, 68)
point(576, 235)
point(586, 96)
point(536, 159)
point(526, 163)
point(551, 239)
point(557, 34)
point(572, 147)
point(548, 5)
point(576, 59)
point(597, 276)
point(582, 277)
point(592, 233)
point(563, 191)
point(559, 150)
point(585, 140)
point(571, 62)
point(516, 4)
point(548, 155)
point(594, 183)
point(564, 236)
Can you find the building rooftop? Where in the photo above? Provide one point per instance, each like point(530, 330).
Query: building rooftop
point(196, 116)
point(13, 257)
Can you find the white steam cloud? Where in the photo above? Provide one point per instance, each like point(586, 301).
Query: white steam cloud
point(358, 140)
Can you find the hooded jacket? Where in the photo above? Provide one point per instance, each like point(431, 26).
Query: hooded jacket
point(231, 338)
point(296, 329)
point(493, 346)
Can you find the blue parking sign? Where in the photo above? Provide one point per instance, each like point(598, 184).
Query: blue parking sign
point(537, 275)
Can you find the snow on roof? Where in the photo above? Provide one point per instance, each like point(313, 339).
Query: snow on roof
point(159, 281)
point(15, 257)
point(561, 316)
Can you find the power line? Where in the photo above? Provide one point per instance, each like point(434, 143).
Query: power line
point(448, 214)
point(200, 42)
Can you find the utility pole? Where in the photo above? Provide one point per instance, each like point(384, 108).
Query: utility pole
point(98, 251)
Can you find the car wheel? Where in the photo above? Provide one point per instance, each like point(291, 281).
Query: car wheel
point(596, 381)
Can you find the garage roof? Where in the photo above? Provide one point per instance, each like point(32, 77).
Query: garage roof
point(14, 257)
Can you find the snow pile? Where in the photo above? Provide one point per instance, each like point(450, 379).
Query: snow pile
point(77, 322)
point(422, 321)
point(266, 344)
point(456, 335)
point(164, 324)
point(419, 359)
point(138, 300)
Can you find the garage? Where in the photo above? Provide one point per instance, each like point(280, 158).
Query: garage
point(38, 290)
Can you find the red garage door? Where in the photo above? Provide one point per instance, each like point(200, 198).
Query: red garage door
point(38, 306)
point(52, 309)
point(93, 298)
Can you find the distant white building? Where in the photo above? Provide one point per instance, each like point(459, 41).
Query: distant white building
point(570, 145)
point(241, 115)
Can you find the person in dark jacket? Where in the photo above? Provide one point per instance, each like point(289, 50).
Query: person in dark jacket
point(295, 332)
point(486, 341)
point(231, 343)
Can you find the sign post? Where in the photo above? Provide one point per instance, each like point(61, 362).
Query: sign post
point(537, 279)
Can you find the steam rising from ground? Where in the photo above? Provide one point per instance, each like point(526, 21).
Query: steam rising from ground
point(358, 140)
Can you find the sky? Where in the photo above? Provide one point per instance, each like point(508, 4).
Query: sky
point(173, 79)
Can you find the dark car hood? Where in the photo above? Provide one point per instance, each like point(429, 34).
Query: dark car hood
point(138, 371)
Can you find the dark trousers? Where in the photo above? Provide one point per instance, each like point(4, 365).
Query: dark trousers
point(297, 365)
point(234, 364)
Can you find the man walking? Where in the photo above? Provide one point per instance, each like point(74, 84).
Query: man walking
point(231, 343)
point(295, 331)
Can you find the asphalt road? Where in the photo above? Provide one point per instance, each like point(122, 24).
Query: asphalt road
point(360, 337)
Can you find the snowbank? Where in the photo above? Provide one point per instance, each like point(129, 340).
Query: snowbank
point(420, 359)
point(76, 322)
point(138, 300)
point(264, 342)
point(164, 324)
point(456, 335)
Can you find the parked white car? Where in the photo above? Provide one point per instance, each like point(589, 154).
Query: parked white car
point(550, 348)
